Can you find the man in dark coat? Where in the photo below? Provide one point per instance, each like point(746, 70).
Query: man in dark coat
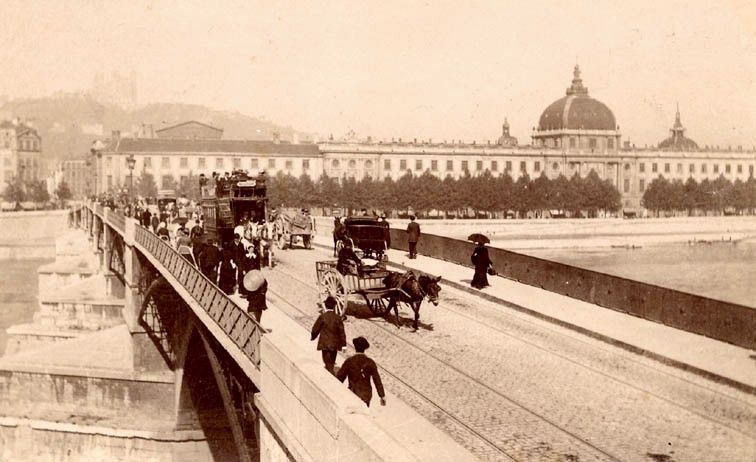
point(209, 258)
point(195, 234)
point(227, 272)
point(348, 262)
point(481, 261)
point(240, 260)
point(330, 329)
point(155, 222)
point(413, 235)
point(360, 370)
point(146, 218)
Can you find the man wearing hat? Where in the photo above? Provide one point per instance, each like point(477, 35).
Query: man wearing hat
point(330, 328)
point(257, 287)
point(413, 235)
point(360, 369)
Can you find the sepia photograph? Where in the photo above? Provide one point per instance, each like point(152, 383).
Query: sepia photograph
point(378, 230)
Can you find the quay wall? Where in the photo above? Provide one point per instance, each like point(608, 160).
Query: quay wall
point(31, 235)
point(40, 440)
point(728, 322)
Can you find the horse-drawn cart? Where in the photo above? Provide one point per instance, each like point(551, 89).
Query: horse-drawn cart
point(368, 284)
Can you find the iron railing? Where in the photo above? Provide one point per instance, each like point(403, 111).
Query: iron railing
point(240, 327)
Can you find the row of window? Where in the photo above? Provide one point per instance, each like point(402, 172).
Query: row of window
point(420, 165)
point(592, 143)
point(692, 168)
point(29, 145)
point(220, 163)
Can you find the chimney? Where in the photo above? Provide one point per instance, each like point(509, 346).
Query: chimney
point(116, 134)
point(276, 137)
point(295, 138)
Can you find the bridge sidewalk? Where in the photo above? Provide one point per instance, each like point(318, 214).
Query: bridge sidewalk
point(716, 360)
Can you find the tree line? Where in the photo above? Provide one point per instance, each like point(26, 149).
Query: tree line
point(720, 196)
point(482, 195)
point(17, 191)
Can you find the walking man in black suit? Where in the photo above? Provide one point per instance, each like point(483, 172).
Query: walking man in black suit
point(360, 370)
point(330, 328)
point(413, 235)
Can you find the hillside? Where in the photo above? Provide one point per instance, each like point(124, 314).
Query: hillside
point(69, 123)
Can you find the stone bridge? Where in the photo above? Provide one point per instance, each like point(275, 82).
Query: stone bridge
point(240, 392)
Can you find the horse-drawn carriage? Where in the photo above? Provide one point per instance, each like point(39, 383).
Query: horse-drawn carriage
point(368, 234)
point(293, 227)
point(381, 289)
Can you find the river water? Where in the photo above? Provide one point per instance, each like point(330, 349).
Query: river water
point(18, 293)
point(719, 270)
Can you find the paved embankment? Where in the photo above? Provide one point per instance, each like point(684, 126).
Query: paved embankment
point(511, 386)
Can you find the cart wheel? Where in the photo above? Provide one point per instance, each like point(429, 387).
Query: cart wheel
point(378, 306)
point(332, 285)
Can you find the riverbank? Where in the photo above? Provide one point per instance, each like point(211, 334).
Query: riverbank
point(596, 233)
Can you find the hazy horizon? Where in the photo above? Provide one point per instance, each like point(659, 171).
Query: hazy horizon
point(440, 70)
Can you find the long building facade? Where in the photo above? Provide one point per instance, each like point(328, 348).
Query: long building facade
point(575, 135)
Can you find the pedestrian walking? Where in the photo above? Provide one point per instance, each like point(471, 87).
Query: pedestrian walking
point(209, 258)
point(360, 370)
point(329, 329)
point(257, 288)
point(146, 218)
point(413, 235)
point(482, 263)
point(227, 273)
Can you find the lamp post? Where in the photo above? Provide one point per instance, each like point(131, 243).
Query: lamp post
point(130, 163)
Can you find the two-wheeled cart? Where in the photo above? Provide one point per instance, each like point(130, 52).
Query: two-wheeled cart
point(368, 284)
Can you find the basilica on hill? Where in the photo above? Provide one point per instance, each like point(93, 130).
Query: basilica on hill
point(575, 135)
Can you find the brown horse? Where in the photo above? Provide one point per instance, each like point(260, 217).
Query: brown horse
point(411, 290)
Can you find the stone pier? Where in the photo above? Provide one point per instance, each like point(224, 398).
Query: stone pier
point(70, 387)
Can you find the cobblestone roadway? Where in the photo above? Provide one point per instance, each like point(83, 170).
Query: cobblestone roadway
point(534, 390)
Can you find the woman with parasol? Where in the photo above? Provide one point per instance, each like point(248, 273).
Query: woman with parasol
point(480, 260)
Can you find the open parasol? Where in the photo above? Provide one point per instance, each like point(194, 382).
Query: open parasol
point(253, 280)
point(477, 237)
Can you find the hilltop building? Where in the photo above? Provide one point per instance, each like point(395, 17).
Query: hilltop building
point(20, 152)
point(575, 135)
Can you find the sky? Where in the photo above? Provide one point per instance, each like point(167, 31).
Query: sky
point(437, 70)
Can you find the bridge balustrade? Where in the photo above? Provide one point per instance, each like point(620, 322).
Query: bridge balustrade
point(240, 327)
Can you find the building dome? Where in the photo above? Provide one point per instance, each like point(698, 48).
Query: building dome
point(677, 140)
point(577, 111)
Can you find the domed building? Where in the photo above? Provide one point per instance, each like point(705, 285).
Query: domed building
point(577, 122)
point(677, 140)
